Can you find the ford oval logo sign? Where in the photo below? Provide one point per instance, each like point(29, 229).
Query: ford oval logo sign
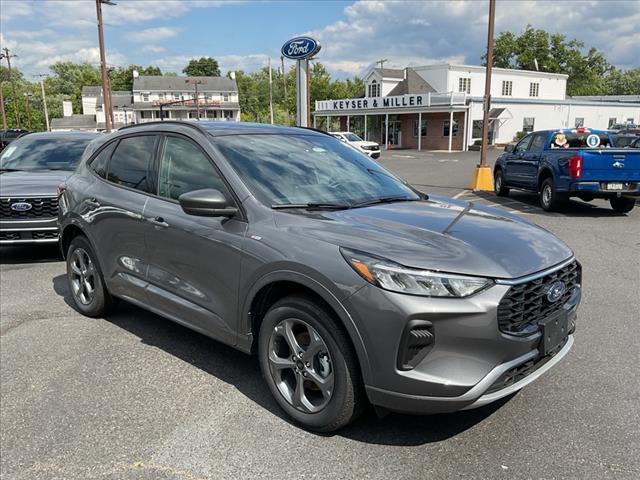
point(21, 207)
point(555, 291)
point(300, 47)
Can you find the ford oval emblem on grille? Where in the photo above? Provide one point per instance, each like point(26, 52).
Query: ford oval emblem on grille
point(21, 207)
point(555, 291)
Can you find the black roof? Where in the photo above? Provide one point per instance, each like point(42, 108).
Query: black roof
point(218, 128)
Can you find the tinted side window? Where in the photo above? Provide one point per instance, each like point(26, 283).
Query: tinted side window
point(537, 144)
point(185, 168)
point(101, 162)
point(524, 144)
point(131, 163)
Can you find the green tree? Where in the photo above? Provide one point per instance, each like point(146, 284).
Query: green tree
point(69, 78)
point(623, 82)
point(202, 67)
point(122, 77)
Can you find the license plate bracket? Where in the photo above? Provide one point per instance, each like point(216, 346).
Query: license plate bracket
point(614, 186)
point(554, 331)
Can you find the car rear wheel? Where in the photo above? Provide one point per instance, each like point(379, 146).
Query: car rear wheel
point(622, 204)
point(499, 185)
point(309, 365)
point(84, 277)
point(550, 199)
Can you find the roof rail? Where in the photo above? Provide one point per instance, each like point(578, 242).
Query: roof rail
point(163, 122)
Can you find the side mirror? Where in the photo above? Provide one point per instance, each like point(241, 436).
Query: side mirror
point(207, 202)
point(509, 147)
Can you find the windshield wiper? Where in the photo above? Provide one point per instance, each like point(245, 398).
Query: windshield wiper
point(10, 169)
point(311, 206)
point(389, 199)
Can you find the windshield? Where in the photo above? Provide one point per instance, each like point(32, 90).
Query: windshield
point(623, 141)
point(352, 137)
point(43, 153)
point(304, 169)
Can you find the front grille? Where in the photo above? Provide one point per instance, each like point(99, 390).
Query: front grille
point(9, 236)
point(526, 304)
point(45, 235)
point(42, 207)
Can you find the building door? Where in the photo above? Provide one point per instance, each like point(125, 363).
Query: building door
point(395, 133)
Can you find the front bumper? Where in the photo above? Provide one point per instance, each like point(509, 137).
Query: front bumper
point(470, 363)
point(15, 232)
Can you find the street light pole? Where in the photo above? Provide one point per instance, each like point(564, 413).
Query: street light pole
point(270, 93)
point(27, 96)
point(106, 97)
point(44, 101)
point(487, 85)
point(13, 85)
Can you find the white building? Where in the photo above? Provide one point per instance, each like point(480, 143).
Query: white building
point(444, 102)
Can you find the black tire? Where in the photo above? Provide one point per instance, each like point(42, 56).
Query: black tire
point(100, 302)
point(550, 200)
point(622, 204)
point(499, 185)
point(347, 399)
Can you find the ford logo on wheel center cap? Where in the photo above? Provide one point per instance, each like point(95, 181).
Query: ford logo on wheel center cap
point(300, 47)
point(555, 291)
point(21, 207)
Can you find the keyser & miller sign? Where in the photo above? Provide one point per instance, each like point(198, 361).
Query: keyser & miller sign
point(300, 48)
point(374, 102)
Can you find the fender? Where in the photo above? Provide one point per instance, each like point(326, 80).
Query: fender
point(244, 323)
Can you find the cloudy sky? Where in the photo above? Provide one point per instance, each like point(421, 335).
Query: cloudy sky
point(243, 35)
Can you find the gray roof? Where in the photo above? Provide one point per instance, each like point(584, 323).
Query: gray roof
point(96, 91)
point(168, 84)
point(74, 121)
point(414, 83)
point(390, 72)
point(118, 99)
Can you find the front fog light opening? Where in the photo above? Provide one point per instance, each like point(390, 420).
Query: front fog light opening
point(417, 341)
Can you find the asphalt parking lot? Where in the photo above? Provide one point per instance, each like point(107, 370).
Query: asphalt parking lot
point(135, 396)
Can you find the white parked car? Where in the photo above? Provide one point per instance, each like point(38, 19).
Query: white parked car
point(371, 149)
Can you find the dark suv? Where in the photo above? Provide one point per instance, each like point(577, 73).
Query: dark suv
point(348, 284)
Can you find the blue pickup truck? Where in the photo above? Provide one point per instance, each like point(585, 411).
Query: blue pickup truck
point(558, 164)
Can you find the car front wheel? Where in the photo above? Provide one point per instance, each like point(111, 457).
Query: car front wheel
point(622, 204)
point(84, 277)
point(309, 365)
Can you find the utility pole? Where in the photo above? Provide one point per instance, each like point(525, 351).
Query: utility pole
point(381, 62)
point(270, 93)
point(13, 84)
point(27, 97)
point(487, 85)
point(106, 97)
point(44, 100)
point(284, 77)
point(4, 115)
point(195, 83)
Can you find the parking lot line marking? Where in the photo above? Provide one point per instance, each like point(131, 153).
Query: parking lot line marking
point(460, 194)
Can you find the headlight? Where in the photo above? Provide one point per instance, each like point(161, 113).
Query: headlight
point(392, 276)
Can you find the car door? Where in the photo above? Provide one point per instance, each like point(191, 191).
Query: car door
point(113, 206)
point(515, 162)
point(531, 159)
point(195, 260)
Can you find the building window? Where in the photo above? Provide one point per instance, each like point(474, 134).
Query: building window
point(445, 129)
point(145, 97)
point(477, 129)
point(464, 85)
point(507, 88)
point(612, 121)
point(527, 124)
point(176, 96)
point(225, 97)
point(534, 89)
point(579, 122)
point(423, 128)
point(629, 120)
point(207, 96)
point(374, 89)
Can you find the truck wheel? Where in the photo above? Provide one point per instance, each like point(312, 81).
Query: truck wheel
point(550, 199)
point(499, 186)
point(309, 365)
point(622, 204)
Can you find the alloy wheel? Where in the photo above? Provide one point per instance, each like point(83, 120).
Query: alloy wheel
point(300, 365)
point(83, 276)
point(546, 194)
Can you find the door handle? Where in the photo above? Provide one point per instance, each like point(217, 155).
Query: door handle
point(159, 222)
point(92, 202)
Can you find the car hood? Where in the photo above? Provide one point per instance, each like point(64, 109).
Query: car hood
point(31, 183)
point(437, 234)
point(365, 144)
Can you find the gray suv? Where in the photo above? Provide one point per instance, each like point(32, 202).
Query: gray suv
point(350, 286)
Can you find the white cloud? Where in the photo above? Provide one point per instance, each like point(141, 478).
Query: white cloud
point(155, 34)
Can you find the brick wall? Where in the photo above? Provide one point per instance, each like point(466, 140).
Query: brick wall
point(435, 140)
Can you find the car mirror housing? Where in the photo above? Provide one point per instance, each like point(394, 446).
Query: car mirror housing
point(207, 202)
point(509, 147)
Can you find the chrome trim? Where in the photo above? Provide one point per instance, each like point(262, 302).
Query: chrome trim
point(27, 229)
point(40, 240)
point(492, 397)
point(27, 196)
point(26, 220)
point(533, 276)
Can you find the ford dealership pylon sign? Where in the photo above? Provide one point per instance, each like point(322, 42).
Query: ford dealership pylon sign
point(300, 48)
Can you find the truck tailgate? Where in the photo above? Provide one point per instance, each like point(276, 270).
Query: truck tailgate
point(611, 164)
